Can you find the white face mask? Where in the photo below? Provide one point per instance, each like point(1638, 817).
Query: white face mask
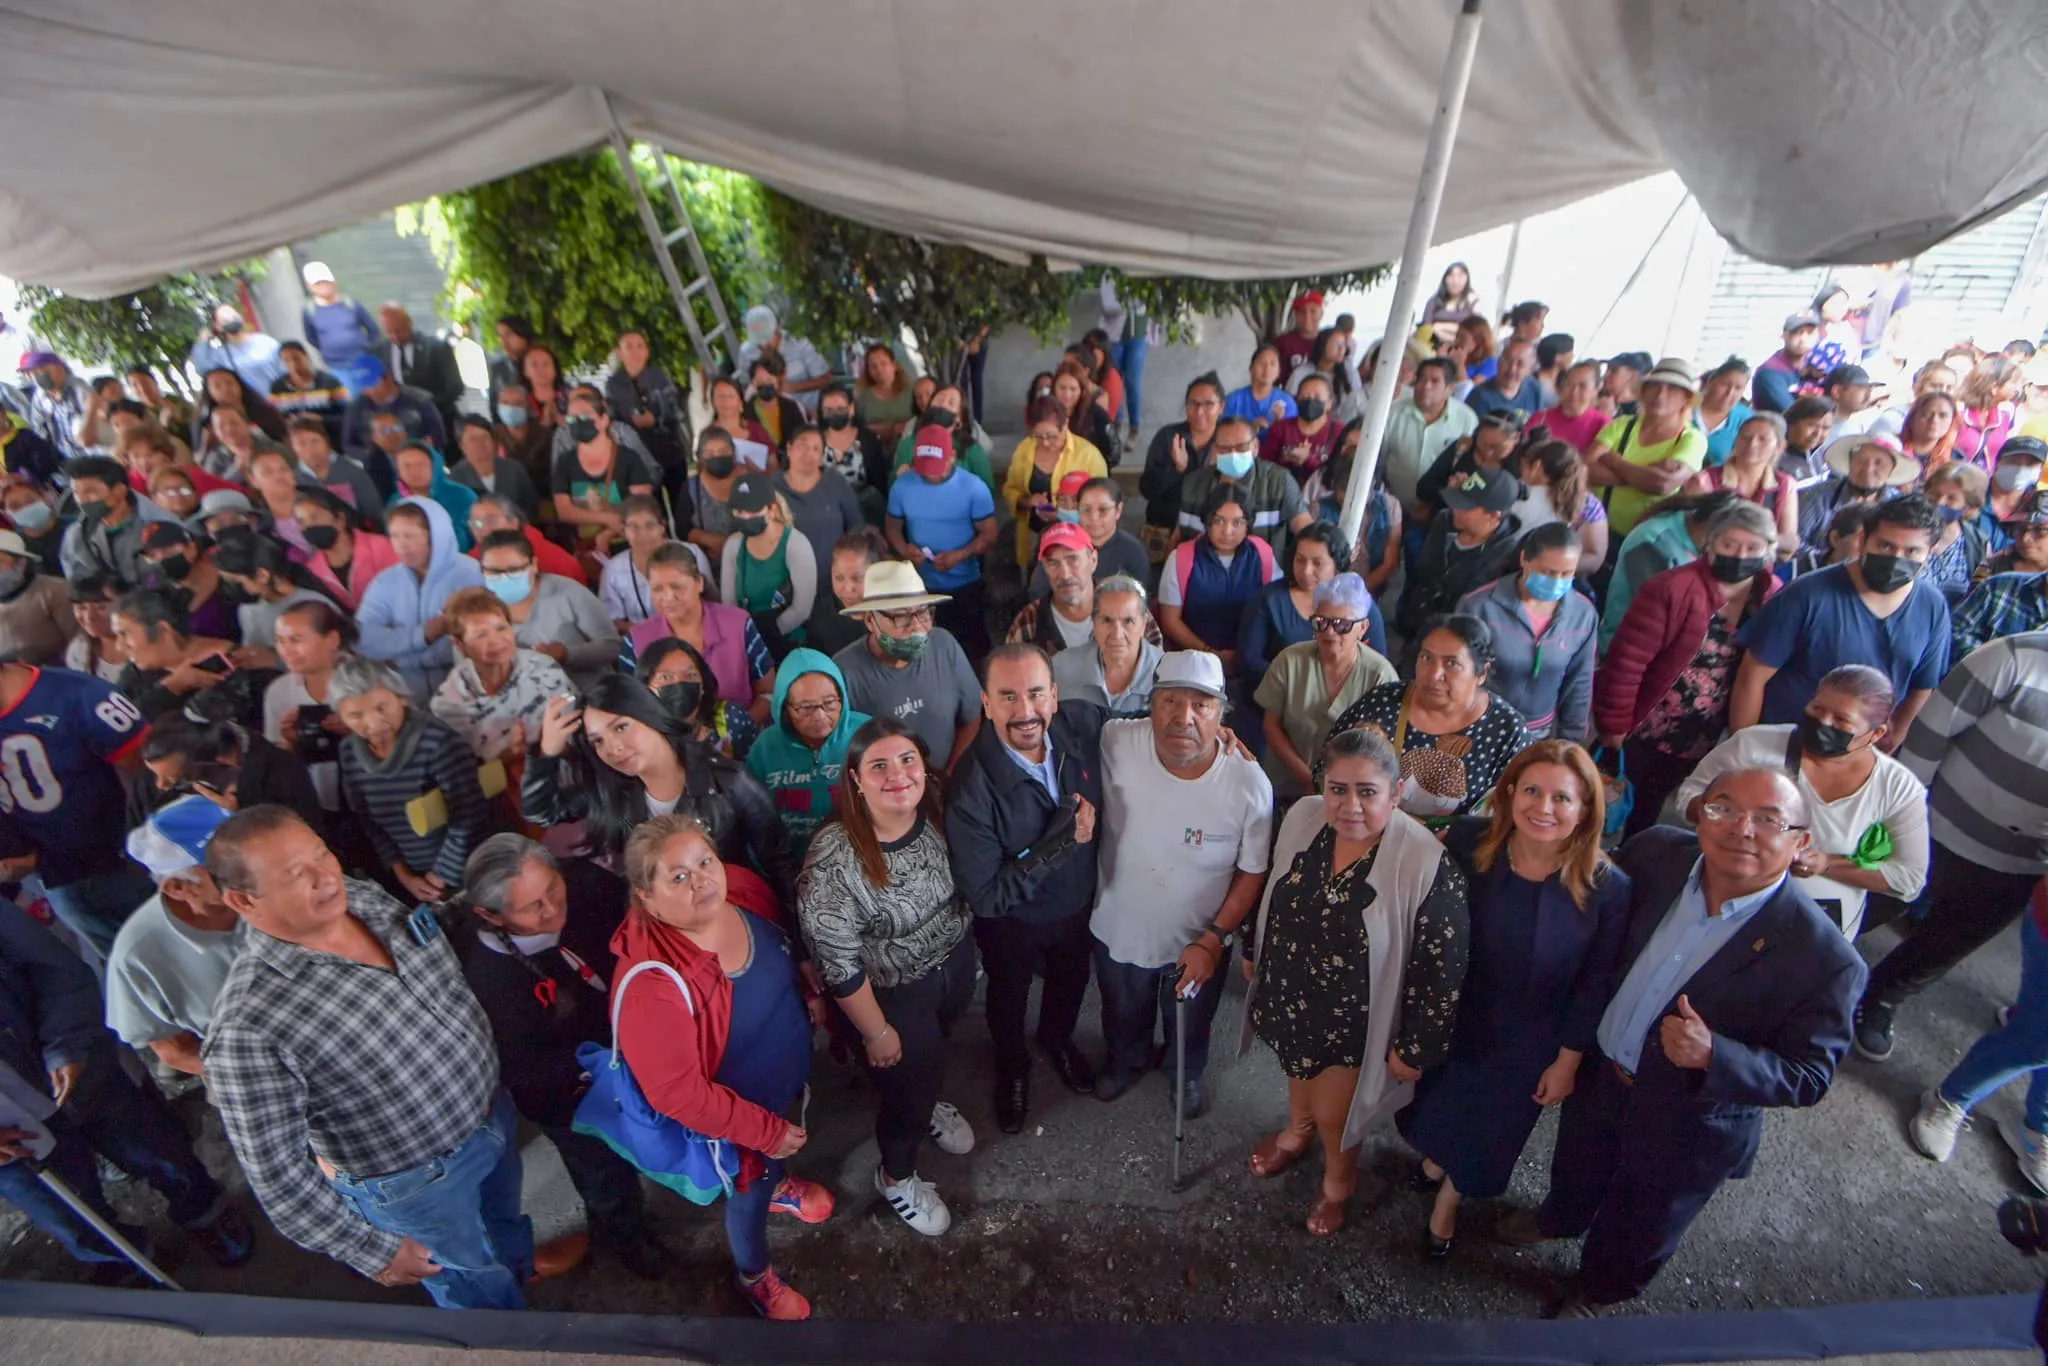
point(2013, 478)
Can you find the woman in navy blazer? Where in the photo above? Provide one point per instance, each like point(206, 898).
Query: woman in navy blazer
point(1549, 914)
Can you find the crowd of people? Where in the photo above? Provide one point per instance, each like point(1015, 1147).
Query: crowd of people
point(1573, 783)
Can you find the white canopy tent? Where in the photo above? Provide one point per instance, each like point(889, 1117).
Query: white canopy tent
point(1217, 137)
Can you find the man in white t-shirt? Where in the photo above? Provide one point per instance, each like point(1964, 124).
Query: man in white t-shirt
point(171, 957)
point(1185, 840)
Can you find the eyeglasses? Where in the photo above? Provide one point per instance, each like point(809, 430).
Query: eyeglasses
point(1222, 451)
point(810, 709)
point(1049, 438)
point(1721, 813)
point(1341, 626)
point(913, 616)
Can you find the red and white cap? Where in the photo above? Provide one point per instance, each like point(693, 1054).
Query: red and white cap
point(933, 449)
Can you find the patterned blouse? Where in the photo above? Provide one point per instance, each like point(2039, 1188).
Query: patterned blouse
point(1687, 722)
point(1441, 775)
point(1315, 968)
point(886, 935)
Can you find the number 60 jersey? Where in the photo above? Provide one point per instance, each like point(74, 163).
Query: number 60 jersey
point(59, 789)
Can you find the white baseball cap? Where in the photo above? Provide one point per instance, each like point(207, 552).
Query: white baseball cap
point(1195, 670)
point(316, 273)
point(12, 544)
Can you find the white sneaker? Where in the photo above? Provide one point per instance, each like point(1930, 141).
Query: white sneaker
point(1935, 1125)
point(916, 1201)
point(951, 1131)
point(2031, 1149)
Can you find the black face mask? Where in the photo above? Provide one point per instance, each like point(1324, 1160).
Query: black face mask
point(681, 698)
point(1888, 573)
point(836, 422)
point(719, 466)
point(94, 509)
point(941, 417)
point(321, 537)
point(235, 593)
point(176, 568)
point(1823, 741)
point(1736, 568)
point(765, 393)
point(1310, 409)
point(750, 526)
point(583, 429)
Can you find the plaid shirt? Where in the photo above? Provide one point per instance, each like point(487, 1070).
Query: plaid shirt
point(2002, 605)
point(374, 1071)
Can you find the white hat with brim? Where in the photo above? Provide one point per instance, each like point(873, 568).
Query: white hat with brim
point(12, 544)
point(1905, 469)
point(893, 586)
point(1196, 670)
point(1675, 371)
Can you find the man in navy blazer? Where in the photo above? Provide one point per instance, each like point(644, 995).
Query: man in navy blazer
point(1739, 995)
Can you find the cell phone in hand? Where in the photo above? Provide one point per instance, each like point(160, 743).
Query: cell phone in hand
point(215, 663)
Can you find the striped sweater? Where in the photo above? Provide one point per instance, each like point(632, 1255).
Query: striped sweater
point(428, 755)
point(1981, 746)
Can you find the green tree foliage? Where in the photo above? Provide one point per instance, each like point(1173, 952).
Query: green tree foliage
point(1263, 304)
point(562, 244)
point(847, 282)
point(155, 326)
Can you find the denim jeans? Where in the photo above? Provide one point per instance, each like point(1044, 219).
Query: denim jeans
point(132, 1128)
point(463, 1207)
point(1128, 356)
point(96, 907)
point(2020, 1047)
point(746, 1221)
point(1133, 998)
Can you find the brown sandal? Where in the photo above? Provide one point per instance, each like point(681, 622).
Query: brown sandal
point(1270, 1158)
point(1327, 1216)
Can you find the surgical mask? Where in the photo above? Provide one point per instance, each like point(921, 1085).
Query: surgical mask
point(32, 517)
point(47, 383)
point(719, 466)
point(1949, 513)
point(836, 422)
point(681, 698)
point(321, 537)
point(510, 589)
point(765, 393)
point(2013, 478)
point(177, 567)
point(583, 429)
point(12, 581)
point(1888, 573)
point(1824, 741)
point(942, 417)
point(1234, 464)
point(94, 509)
point(1070, 515)
point(907, 648)
point(1547, 587)
point(1736, 568)
point(750, 526)
point(1311, 409)
point(233, 327)
point(513, 415)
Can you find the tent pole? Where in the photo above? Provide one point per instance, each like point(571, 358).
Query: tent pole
point(1429, 193)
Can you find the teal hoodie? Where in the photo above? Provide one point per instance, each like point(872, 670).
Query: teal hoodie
point(457, 498)
point(802, 778)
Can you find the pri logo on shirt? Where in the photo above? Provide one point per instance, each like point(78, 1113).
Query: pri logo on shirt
point(1191, 835)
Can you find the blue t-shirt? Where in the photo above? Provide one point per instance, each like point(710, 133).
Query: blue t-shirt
point(1241, 404)
point(940, 517)
point(58, 786)
point(1485, 398)
point(1819, 623)
point(768, 1048)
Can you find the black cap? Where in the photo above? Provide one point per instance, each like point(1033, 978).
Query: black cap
point(1486, 490)
point(752, 493)
point(1848, 374)
point(1638, 361)
point(2031, 449)
point(157, 535)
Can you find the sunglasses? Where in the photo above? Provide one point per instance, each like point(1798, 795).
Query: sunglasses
point(1338, 626)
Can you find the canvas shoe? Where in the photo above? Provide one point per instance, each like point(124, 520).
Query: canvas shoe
point(951, 1131)
point(916, 1201)
point(2030, 1148)
point(1935, 1125)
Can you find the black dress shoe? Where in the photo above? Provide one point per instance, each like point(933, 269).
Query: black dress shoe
point(1072, 1067)
point(1013, 1101)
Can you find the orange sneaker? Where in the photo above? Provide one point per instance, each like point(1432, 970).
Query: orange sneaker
point(562, 1255)
point(807, 1200)
point(773, 1298)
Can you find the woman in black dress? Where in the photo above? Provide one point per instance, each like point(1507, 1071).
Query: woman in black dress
point(1548, 913)
point(1360, 953)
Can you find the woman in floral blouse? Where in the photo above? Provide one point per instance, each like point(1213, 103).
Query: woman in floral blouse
point(1359, 958)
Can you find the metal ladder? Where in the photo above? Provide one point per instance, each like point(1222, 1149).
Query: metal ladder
point(664, 242)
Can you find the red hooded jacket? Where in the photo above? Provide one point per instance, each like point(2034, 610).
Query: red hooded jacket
point(1659, 635)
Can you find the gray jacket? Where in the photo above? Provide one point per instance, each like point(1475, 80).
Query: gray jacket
point(567, 613)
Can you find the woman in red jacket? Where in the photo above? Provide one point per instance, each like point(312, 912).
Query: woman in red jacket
point(732, 1061)
point(1661, 695)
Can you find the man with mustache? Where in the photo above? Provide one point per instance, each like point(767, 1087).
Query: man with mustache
point(1186, 836)
point(1021, 830)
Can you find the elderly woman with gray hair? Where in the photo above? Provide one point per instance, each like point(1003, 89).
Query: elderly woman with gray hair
point(538, 955)
point(1364, 919)
point(1866, 811)
point(1310, 684)
point(408, 779)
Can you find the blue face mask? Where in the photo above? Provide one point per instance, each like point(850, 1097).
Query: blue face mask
point(33, 517)
point(513, 415)
point(1547, 587)
point(1070, 515)
point(510, 589)
point(1236, 465)
point(1950, 514)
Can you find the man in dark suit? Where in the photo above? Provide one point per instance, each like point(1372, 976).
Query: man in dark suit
point(1739, 995)
point(423, 363)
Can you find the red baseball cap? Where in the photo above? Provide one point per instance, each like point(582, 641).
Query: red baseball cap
point(1065, 536)
point(934, 447)
point(1071, 486)
point(1310, 298)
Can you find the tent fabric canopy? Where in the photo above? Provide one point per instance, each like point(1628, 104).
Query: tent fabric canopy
point(1212, 137)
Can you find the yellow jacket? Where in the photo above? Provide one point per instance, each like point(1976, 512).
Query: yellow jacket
point(1078, 454)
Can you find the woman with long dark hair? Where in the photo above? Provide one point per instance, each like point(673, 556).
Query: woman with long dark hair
point(1548, 915)
point(262, 572)
point(1455, 300)
point(624, 755)
point(676, 673)
point(890, 936)
point(348, 550)
point(202, 751)
point(225, 389)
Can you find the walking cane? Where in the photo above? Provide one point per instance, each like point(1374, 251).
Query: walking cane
point(1180, 1081)
point(100, 1226)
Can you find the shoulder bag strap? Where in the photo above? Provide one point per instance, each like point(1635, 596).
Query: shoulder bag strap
point(619, 995)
